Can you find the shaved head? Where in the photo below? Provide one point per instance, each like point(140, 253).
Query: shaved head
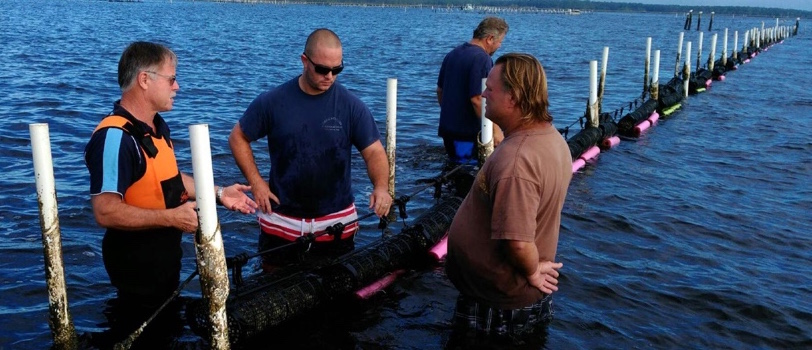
point(321, 37)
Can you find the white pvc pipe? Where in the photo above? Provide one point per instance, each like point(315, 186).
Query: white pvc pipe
point(753, 42)
point(724, 50)
point(687, 72)
point(593, 92)
point(648, 64)
point(486, 134)
point(43, 170)
point(679, 53)
point(699, 51)
point(59, 320)
point(736, 44)
point(204, 178)
point(712, 57)
point(746, 41)
point(655, 78)
point(754, 38)
point(211, 260)
point(688, 54)
point(391, 129)
point(748, 38)
point(604, 64)
point(593, 82)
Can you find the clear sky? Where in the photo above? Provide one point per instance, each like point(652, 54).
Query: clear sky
point(790, 4)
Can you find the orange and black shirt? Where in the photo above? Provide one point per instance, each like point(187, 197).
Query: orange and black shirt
point(124, 156)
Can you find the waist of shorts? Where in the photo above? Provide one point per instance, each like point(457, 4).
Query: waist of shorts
point(291, 227)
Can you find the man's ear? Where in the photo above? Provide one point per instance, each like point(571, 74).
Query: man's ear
point(141, 79)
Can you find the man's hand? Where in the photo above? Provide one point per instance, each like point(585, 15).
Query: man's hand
point(546, 277)
point(234, 198)
point(184, 217)
point(380, 201)
point(263, 196)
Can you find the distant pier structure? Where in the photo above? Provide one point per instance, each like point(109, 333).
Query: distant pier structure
point(435, 7)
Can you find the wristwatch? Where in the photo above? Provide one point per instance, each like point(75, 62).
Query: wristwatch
point(219, 196)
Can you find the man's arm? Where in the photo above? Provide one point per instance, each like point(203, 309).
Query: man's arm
point(189, 184)
point(476, 102)
point(110, 211)
point(439, 96)
point(241, 150)
point(514, 202)
point(378, 170)
point(233, 197)
point(525, 258)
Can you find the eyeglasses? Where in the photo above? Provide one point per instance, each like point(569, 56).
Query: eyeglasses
point(324, 70)
point(171, 78)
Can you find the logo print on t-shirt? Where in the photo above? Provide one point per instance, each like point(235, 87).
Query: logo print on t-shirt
point(331, 124)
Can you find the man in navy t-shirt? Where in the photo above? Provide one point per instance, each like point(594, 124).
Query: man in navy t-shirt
point(311, 123)
point(459, 89)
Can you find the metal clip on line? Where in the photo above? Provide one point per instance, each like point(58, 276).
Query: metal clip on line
point(336, 230)
point(236, 263)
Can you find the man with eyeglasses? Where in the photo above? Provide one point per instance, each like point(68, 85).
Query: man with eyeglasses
point(311, 123)
point(141, 198)
point(459, 90)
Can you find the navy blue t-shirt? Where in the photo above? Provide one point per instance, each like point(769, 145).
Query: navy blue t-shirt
point(461, 79)
point(309, 141)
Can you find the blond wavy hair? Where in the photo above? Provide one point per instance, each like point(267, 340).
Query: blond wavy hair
point(524, 78)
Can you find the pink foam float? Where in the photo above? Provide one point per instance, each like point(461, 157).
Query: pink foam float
point(439, 250)
point(649, 122)
point(590, 153)
point(577, 165)
point(610, 142)
point(379, 285)
point(587, 155)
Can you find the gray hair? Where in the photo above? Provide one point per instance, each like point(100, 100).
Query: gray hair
point(491, 26)
point(140, 56)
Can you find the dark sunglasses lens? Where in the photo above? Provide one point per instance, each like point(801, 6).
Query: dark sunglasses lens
point(326, 70)
point(321, 69)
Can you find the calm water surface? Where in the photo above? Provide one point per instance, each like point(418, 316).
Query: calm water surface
point(696, 235)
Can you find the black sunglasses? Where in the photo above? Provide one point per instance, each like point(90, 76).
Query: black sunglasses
point(324, 70)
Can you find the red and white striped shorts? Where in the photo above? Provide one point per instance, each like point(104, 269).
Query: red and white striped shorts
point(290, 228)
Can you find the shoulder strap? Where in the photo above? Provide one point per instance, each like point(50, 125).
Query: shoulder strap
point(133, 129)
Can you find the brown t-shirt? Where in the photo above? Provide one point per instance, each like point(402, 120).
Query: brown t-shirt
point(517, 195)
